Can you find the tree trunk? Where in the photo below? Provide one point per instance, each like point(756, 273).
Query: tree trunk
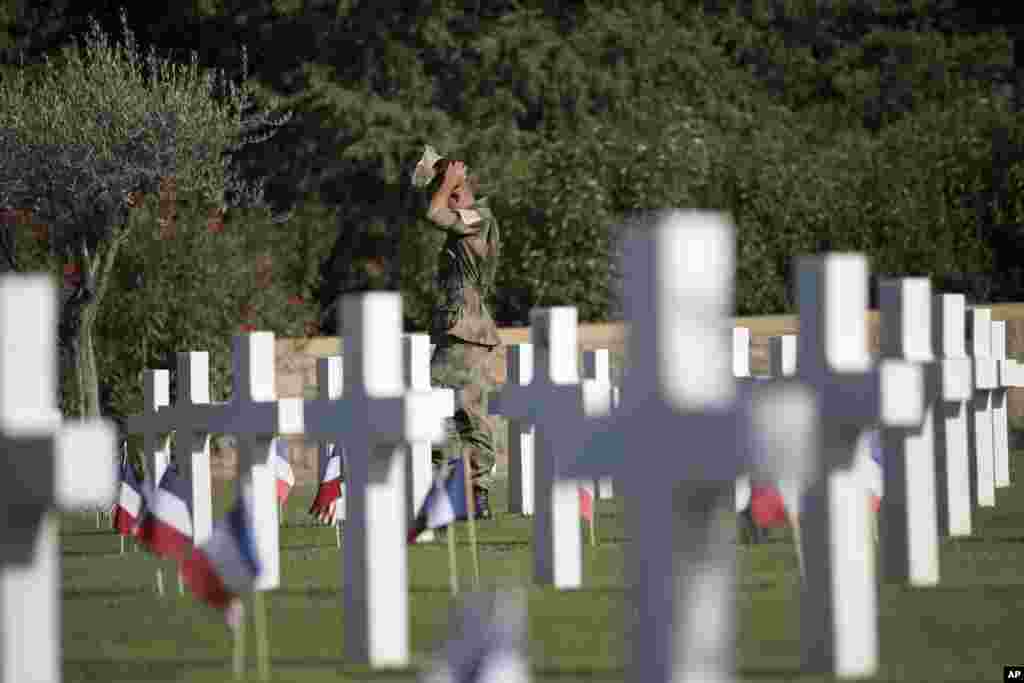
point(97, 269)
point(85, 363)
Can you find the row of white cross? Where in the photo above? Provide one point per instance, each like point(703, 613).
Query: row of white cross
point(684, 431)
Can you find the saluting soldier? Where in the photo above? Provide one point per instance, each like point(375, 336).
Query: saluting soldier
point(462, 327)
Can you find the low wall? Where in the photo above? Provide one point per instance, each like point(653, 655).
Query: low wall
point(296, 368)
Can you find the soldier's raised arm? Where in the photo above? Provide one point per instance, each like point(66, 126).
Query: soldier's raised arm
point(440, 214)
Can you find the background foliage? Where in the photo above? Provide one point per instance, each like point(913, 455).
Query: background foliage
point(887, 126)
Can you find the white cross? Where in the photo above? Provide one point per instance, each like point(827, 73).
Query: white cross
point(679, 394)
point(152, 424)
point(909, 536)
point(953, 477)
point(553, 402)
point(255, 415)
point(599, 398)
point(838, 607)
point(782, 363)
point(741, 371)
point(741, 352)
point(45, 465)
point(788, 486)
point(193, 418)
point(782, 355)
point(979, 418)
point(328, 381)
point(1000, 436)
point(373, 416)
point(416, 349)
point(519, 372)
point(1013, 373)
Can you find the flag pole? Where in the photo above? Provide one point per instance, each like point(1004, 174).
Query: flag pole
point(262, 641)
point(593, 521)
point(238, 628)
point(471, 509)
point(453, 571)
point(794, 522)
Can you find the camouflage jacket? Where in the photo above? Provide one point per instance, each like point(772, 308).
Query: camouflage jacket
point(465, 274)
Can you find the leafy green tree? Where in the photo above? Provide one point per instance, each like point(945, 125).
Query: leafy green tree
point(81, 140)
point(214, 279)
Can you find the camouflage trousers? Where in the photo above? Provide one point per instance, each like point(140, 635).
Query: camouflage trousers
point(466, 368)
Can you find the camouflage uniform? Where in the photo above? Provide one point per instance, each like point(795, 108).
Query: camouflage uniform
point(464, 332)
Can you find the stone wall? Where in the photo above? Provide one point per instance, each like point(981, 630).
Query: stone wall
point(296, 368)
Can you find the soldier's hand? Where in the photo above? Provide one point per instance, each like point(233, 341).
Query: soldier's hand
point(456, 173)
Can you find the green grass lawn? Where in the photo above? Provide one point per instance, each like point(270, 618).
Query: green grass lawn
point(116, 628)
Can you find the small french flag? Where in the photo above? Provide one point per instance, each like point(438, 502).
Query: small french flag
point(282, 466)
point(166, 527)
point(227, 564)
point(327, 494)
point(445, 502)
point(870, 456)
point(767, 506)
point(130, 504)
point(587, 500)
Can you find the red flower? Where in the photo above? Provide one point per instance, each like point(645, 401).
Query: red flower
point(247, 328)
point(295, 300)
point(215, 225)
point(72, 275)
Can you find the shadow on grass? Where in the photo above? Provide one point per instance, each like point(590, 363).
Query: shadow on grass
point(602, 588)
point(138, 670)
point(87, 593)
point(105, 531)
point(578, 671)
point(985, 588)
point(762, 584)
point(310, 546)
point(135, 670)
point(781, 672)
point(325, 592)
point(967, 540)
point(86, 553)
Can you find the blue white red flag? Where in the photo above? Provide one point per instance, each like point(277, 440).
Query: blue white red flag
point(767, 506)
point(330, 489)
point(445, 502)
point(587, 500)
point(870, 456)
point(130, 504)
point(284, 476)
point(166, 527)
point(227, 564)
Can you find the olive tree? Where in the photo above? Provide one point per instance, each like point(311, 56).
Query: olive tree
point(80, 143)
